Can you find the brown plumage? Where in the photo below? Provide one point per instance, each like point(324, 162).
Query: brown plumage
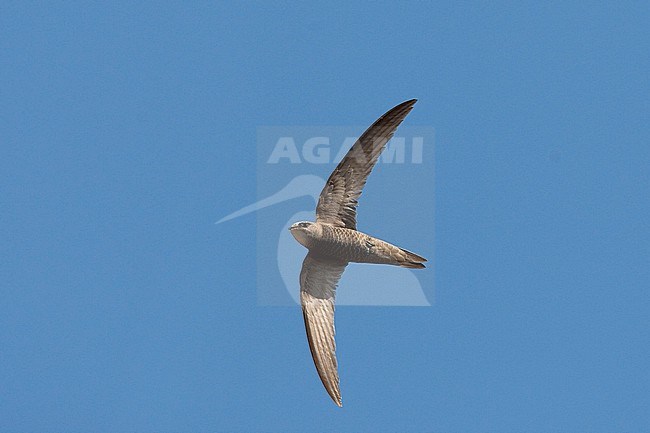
point(333, 242)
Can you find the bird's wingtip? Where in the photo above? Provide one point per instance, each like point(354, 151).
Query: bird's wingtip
point(407, 103)
point(336, 397)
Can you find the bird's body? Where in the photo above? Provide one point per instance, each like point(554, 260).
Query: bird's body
point(346, 245)
point(333, 241)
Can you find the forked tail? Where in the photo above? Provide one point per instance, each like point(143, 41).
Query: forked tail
point(410, 260)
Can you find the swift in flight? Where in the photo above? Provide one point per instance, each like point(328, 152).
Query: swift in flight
point(333, 241)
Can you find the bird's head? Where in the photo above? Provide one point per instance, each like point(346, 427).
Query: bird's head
point(303, 231)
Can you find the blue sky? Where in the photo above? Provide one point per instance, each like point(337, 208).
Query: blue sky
point(127, 130)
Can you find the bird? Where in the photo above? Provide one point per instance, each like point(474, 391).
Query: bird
point(333, 242)
point(381, 280)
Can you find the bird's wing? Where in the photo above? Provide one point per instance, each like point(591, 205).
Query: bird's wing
point(337, 204)
point(318, 280)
